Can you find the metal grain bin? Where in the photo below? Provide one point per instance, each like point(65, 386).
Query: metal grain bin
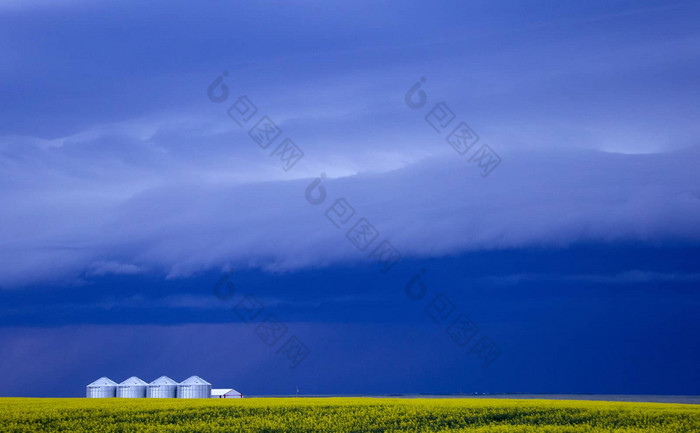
point(163, 387)
point(132, 387)
point(194, 387)
point(103, 387)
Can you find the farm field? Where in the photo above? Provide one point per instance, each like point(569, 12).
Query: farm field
point(343, 415)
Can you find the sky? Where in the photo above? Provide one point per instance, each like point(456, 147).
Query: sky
point(350, 198)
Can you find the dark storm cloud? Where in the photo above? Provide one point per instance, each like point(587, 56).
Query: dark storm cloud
point(114, 161)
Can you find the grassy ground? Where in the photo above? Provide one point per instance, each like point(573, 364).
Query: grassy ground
point(342, 415)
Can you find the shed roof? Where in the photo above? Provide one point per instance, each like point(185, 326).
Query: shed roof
point(226, 391)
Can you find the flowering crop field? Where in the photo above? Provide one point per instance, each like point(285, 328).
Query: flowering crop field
point(342, 415)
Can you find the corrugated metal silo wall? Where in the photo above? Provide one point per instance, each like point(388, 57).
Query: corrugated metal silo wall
point(131, 391)
point(101, 391)
point(161, 391)
point(194, 391)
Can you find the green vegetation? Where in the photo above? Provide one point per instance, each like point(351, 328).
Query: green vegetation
point(342, 415)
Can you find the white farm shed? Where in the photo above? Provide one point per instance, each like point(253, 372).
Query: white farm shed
point(225, 393)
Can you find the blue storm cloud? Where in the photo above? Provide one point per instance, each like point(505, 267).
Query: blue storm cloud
point(125, 192)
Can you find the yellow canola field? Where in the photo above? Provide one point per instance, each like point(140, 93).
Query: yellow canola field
point(343, 415)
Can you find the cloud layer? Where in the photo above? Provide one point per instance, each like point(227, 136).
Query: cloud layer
point(112, 205)
point(114, 161)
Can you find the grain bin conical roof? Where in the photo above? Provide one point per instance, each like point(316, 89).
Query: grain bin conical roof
point(163, 380)
point(103, 381)
point(194, 380)
point(133, 380)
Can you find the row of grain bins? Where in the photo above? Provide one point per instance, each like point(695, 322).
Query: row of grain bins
point(163, 387)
